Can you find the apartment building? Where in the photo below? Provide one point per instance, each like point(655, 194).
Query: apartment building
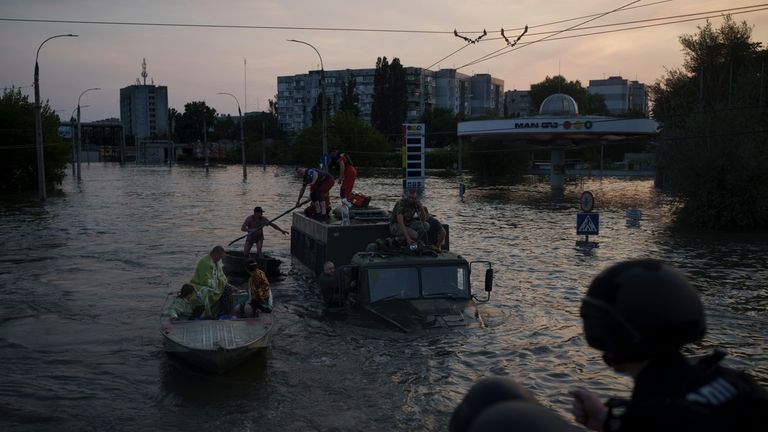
point(425, 89)
point(144, 110)
point(621, 95)
point(517, 103)
point(487, 96)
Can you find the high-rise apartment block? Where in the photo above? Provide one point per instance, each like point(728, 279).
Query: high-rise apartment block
point(144, 108)
point(425, 90)
point(621, 95)
point(517, 103)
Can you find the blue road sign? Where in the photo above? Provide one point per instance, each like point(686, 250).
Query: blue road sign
point(587, 224)
point(324, 161)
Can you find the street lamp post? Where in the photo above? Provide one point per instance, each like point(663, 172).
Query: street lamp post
point(242, 132)
point(74, 139)
point(322, 100)
point(39, 125)
point(80, 131)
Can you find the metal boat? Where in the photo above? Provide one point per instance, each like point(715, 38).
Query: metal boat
point(215, 345)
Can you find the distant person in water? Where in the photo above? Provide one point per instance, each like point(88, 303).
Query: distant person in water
point(320, 184)
point(211, 285)
point(254, 226)
point(326, 282)
point(347, 175)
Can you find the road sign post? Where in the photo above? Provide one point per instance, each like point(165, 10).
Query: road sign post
point(587, 222)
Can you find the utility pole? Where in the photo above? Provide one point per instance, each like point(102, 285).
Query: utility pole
point(242, 132)
point(41, 187)
point(324, 108)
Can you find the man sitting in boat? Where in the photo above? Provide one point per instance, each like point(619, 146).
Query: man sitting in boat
point(211, 284)
point(184, 304)
point(407, 219)
point(259, 293)
point(254, 226)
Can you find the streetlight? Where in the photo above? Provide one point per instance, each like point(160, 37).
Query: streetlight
point(242, 133)
point(39, 125)
point(74, 137)
point(322, 90)
point(80, 131)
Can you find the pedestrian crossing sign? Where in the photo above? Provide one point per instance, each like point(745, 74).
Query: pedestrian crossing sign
point(587, 224)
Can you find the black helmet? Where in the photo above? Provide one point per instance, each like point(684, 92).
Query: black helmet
point(518, 415)
point(484, 394)
point(638, 309)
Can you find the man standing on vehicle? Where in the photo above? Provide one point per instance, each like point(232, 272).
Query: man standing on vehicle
point(347, 175)
point(320, 183)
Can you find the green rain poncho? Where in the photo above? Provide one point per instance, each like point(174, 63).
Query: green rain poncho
point(209, 282)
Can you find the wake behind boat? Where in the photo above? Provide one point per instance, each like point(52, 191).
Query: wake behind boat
point(215, 345)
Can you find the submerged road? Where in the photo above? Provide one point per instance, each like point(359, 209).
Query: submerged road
point(82, 278)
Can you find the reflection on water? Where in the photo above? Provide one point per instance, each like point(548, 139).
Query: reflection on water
point(83, 277)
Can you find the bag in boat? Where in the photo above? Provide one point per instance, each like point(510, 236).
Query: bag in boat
point(359, 200)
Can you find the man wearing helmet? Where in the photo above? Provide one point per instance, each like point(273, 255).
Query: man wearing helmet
point(640, 313)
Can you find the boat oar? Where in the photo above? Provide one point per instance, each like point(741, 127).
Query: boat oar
point(271, 220)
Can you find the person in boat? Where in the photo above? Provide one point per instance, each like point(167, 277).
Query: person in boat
point(184, 304)
point(211, 285)
point(254, 226)
point(501, 404)
point(407, 221)
point(436, 233)
point(639, 314)
point(320, 184)
point(347, 175)
point(259, 293)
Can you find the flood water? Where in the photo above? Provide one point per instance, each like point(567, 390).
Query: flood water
point(82, 279)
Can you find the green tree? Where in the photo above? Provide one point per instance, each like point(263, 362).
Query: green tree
point(440, 127)
point(496, 162)
point(349, 98)
point(390, 100)
point(189, 125)
point(713, 154)
point(18, 164)
point(317, 113)
point(588, 103)
point(262, 132)
point(348, 133)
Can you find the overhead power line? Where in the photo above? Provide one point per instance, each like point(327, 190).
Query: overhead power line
point(485, 57)
point(262, 27)
point(696, 17)
point(699, 16)
point(229, 26)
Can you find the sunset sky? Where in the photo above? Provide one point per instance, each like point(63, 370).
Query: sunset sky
point(196, 62)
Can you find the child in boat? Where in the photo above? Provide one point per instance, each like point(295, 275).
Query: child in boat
point(259, 293)
point(183, 305)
